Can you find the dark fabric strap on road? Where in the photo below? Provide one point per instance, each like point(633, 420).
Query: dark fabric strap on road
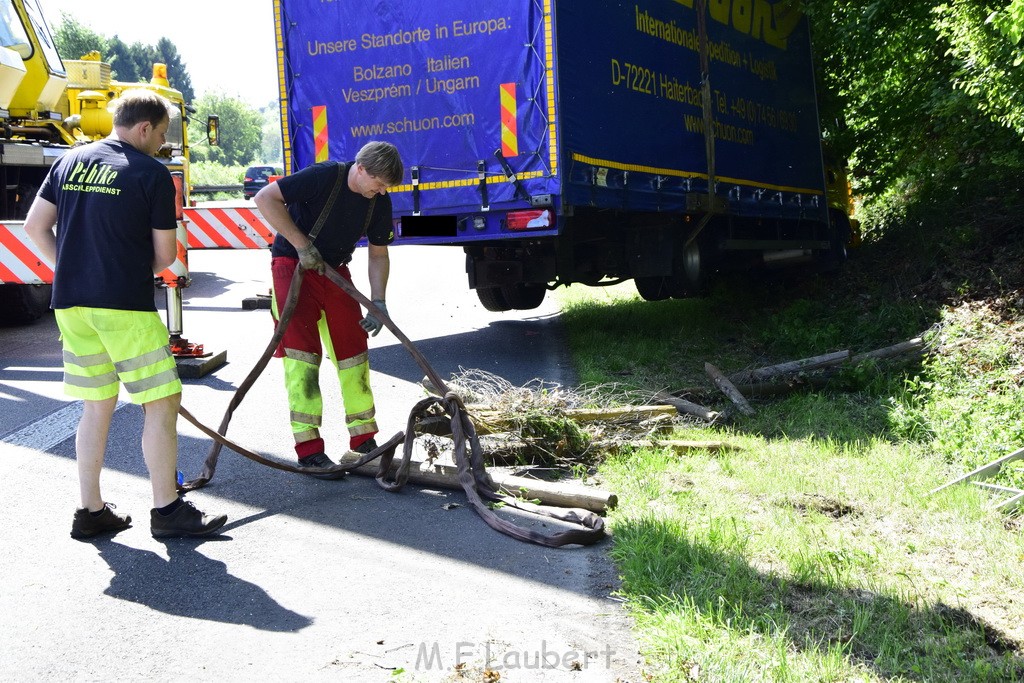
point(585, 527)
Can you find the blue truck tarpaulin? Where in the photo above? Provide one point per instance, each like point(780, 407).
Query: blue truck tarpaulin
point(593, 103)
point(429, 78)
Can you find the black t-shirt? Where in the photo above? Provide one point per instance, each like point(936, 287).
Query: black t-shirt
point(109, 197)
point(306, 194)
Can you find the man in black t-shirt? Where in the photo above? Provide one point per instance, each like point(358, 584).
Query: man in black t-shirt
point(361, 207)
point(114, 209)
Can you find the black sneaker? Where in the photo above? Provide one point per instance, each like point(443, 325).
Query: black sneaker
point(366, 446)
point(320, 460)
point(87, 525)
point(186, 520)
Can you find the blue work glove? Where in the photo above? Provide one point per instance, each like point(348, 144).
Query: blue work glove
point(310, 259)
point(371, 323)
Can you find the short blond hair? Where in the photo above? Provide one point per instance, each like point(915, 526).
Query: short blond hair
point(138, 105)
point(381, 160)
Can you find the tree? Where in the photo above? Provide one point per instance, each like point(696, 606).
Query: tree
point(128, 63)
point(894, 97)
point(1010, 22)
point(272, 149)
point(986, 47)
point(74, 41)
point(177, 73)
point(240, 130)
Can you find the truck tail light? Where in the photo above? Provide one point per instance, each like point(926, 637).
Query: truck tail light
point(530, 219)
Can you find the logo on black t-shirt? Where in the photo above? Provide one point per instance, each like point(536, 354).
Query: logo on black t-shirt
point(95, 177)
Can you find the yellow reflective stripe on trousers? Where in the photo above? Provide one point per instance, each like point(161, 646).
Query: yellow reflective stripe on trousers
point(365, 415)
point(365, 428)
point(90, 382)
point(303, 356)
point(143, 361)
point(152, 382)
point(86, 361)
point(307, 435)
point(305, 418)
point(352, 362)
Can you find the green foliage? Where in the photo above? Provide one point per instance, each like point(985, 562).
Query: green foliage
point(923, 98)
point(241, 126)
point(966, 401)
point(1010, 22)
point(212, 173)
point(128, 63)
point(272, 149)
point(74, 41)
point(982, 54)
point(177, 72)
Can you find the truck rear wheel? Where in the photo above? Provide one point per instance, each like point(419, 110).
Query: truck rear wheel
point(691, 268)
point(652, 288)
point(492, 299)
point(523, 296)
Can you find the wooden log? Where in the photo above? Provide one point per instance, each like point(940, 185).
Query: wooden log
point(496, 422)
point(559, 494)
point(983, 472)
point(621, 414)
point(618, 414)
point(914, 345)
point(687, 407)
point(728, 388)
point(679, 446)
point(766, 373)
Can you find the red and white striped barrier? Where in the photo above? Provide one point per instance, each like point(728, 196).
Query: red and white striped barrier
point(176, 274)
point(232, 227)
point(20, 261)
point(214, 228)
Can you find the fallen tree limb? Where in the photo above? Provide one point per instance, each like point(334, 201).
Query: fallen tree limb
point(915, 345)
point(728, 388)
point(495, 422)
point(766, 373)
point(676, 445)
point(687, 407)
point(560, 494)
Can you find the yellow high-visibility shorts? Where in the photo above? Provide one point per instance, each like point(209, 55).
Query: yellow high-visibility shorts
point(104, 348)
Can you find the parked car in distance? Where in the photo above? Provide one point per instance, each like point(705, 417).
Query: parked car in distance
point(256, 177)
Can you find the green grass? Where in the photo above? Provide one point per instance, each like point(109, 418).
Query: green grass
point(814, 552)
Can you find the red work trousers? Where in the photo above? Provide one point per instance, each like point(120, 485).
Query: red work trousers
point(324, 312)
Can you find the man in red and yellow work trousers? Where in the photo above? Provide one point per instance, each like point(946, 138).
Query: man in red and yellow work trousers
point(322, 311)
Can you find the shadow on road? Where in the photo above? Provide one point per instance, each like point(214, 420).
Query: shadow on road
point(209, 592)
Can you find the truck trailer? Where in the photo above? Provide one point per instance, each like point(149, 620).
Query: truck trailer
point(573, 141)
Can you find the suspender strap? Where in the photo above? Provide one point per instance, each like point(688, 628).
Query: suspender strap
point(329, 205)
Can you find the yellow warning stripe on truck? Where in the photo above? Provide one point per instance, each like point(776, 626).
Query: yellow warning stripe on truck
point(687, 174)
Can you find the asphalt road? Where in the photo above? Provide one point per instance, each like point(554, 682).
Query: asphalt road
point(312, 580)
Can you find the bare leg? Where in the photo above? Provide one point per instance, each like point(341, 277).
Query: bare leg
point(160, 447)
point(90, 446)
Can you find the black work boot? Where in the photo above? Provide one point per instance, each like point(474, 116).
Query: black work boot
point(320, 460)
point(87, 525)
point(367, 446)
point(186, 520)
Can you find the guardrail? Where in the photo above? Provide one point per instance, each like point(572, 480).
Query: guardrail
point(211, 189)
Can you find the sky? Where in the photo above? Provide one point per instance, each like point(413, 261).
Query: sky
point(227, 45)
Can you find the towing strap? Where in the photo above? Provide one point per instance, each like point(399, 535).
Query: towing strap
point(586, 527)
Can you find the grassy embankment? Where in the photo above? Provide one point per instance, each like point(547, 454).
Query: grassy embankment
point(814, 552)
